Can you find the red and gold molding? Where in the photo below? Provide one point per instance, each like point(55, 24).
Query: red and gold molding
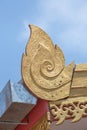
point(42, 124)
point(36, 114)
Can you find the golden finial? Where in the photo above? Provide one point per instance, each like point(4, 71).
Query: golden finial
point(43, 67)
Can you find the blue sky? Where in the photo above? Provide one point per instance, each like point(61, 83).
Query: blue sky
point(64, 20)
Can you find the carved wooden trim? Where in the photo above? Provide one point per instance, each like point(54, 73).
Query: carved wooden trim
point(74, 108)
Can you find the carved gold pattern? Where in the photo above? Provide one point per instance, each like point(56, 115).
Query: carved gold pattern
point(45, 74)
point(74, 108)
point(43, 67)
point(42, 124)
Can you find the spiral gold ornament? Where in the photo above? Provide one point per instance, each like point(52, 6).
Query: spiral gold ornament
point(43, 67)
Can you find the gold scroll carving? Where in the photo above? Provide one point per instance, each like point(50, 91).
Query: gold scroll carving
point(43, 67)
point(71, 108)
point(42, 124)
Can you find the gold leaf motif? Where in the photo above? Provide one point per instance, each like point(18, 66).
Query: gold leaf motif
point(74, 108)
point(43, 67)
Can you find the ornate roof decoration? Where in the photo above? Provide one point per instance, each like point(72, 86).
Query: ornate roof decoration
point(43, 67)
